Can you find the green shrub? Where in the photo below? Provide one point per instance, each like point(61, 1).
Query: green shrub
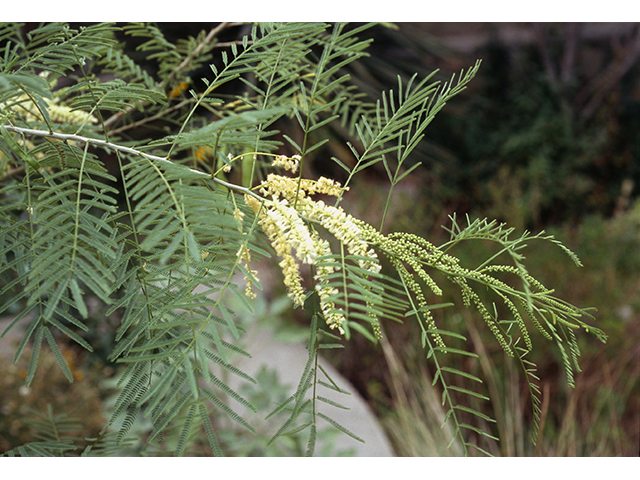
point(156, 196)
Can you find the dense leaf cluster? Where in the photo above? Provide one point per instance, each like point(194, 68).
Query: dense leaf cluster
point(140, 201)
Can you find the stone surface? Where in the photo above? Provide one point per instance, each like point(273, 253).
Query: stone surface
point(12, 338)
point(288, 360)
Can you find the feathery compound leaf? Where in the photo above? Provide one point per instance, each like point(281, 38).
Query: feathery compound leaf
point(185, 432)
point(57, 48)
point(107, 445)
point(69, 238)
point(209, 430)
point(41, 449)
point(115, 95)
point(340, 427)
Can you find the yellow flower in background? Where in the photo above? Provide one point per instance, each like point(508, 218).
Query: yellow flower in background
point(25, 107)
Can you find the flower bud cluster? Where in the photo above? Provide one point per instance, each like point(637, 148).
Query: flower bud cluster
point(279, 186)
point(407, 250)
point(410, 254)
point(288, 163)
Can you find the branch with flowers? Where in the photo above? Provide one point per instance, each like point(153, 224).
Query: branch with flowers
point(165, 257)
point(350, 285)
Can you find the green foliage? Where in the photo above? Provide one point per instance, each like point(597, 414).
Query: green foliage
point(156, 203)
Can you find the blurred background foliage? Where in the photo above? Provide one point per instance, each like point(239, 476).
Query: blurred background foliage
point(547, 136)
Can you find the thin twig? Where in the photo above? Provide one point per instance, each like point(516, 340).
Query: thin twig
point(233, 42)
point(196, 51)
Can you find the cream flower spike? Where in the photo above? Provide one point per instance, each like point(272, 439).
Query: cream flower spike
point(288, 233)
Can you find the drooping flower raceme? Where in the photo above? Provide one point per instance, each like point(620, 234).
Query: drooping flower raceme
point(289, 232)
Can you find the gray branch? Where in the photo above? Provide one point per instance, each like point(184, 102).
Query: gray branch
point(132, 151)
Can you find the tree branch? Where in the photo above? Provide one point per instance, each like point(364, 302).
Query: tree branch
point(132, 151)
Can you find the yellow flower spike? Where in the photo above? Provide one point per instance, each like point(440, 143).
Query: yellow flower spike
point(284, 226)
